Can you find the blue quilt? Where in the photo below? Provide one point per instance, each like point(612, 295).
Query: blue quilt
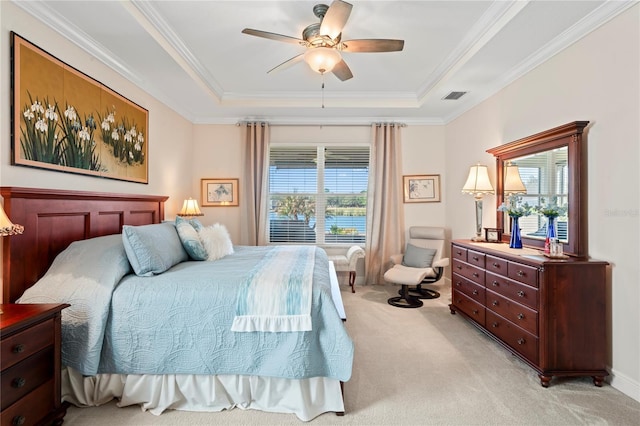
point(179, 322)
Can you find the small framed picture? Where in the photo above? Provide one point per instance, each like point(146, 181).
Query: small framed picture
point(219, 192)
point(493, 235)
point(421, 189)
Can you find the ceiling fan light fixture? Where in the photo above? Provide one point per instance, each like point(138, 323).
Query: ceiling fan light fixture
point(322, 59)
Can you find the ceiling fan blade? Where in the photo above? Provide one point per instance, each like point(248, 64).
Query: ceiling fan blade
point(335, 18)
point(273, 36)
point(342, 71)
point(288, 63)
point(372, 45)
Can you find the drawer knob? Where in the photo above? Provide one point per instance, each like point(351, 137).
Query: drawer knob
point(475, 292)
point(520, 316)
point(495, 303)
point(18, 382)
point(475, 258)
point(496, 265)
point(458, 252)
point(19, 348)
point(18, 420)
point(495, 283)
point(458, 266)
point(521, 341)
point(494, 325)
point(521, 293)
point(475, 311)
point(520, 273)
point(475, 274)
point(458, 283)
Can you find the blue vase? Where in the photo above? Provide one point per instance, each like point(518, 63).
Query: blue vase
point(516, 241)
point(551, 227)
point(551, 233)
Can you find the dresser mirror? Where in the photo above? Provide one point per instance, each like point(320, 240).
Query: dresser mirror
point(552, 166)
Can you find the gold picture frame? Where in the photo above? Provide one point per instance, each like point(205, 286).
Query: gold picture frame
point(421, 188)
point(66, 121)
point(219, 192)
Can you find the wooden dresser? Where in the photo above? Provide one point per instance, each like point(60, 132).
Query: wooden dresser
point(30, 363)
point(550, 313)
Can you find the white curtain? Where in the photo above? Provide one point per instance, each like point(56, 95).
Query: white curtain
point(385, 209)
point(253, 191)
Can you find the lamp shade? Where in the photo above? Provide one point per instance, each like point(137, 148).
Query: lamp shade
point(478, 182)
point(322, 59)
point(512, 180)
point(7, 227)
point(190, 208)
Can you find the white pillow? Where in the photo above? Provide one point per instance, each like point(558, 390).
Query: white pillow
point(216, 241)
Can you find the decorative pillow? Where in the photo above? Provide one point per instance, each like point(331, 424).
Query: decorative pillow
point(418, 257)
point(191, 242)
point(152, 249)
point(216, 241)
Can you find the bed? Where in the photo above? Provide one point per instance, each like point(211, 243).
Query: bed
point(164, 341)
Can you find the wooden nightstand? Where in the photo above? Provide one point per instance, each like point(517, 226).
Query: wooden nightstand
point(30, 363)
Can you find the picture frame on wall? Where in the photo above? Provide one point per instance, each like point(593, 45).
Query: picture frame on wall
point(219, 192)
point(64, 120)
point(421, 188)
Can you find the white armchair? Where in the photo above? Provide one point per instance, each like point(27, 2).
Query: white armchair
point(348, 262)
point(421, 263)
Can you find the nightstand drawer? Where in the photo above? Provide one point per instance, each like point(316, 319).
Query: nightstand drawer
point(30, 409)
point(25, 343)
point(24, 377)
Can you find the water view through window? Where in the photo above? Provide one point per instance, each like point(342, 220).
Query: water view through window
point(318, 188)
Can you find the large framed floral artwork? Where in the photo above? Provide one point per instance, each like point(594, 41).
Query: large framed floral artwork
point(66, 121)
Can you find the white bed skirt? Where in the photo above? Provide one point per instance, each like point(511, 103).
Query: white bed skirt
point(306, 398)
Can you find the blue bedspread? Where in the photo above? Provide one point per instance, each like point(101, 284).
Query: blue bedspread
point(179, 322)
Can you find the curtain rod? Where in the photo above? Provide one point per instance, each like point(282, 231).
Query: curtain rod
point(240, 123)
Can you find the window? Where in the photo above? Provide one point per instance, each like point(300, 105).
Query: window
point(318, 194)
point(544, 176)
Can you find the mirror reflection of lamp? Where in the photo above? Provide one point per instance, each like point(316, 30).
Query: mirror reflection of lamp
point(8, 228)
point(478, 184)
point(512, 180)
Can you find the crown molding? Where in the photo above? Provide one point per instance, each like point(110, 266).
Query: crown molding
point(598, 17)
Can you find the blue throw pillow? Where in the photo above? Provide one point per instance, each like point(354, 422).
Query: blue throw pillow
point(191, 242)
point(418, 257)
point(152, 249)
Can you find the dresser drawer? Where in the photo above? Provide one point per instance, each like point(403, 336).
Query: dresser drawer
point(475, 258)
point(470, 307)
point(473, 273)
point(496, 265)
point(22, 378)
point(458, 252)
point(518, 314)
point(15, 348)
point(523, 273)
point(518, 339)
point(471, 289)
point(30, 409)
point(513, 290)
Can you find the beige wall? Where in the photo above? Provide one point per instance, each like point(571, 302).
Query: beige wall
point(170, 136)
point(596, 79)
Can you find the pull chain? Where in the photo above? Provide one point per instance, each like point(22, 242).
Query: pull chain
point(322, 89)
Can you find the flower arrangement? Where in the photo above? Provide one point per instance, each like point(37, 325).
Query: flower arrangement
point(551, 209)
point(515, 207)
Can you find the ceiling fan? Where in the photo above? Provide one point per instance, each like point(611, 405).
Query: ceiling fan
point(323, 41)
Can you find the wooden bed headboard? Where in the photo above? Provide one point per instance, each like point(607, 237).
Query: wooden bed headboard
point(53, 219)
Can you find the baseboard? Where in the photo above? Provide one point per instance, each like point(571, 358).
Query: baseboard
point(625, 384)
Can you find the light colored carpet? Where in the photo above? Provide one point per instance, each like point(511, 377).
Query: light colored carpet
point(420, 367)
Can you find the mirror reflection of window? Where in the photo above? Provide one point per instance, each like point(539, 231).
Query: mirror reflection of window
point(545, 175)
